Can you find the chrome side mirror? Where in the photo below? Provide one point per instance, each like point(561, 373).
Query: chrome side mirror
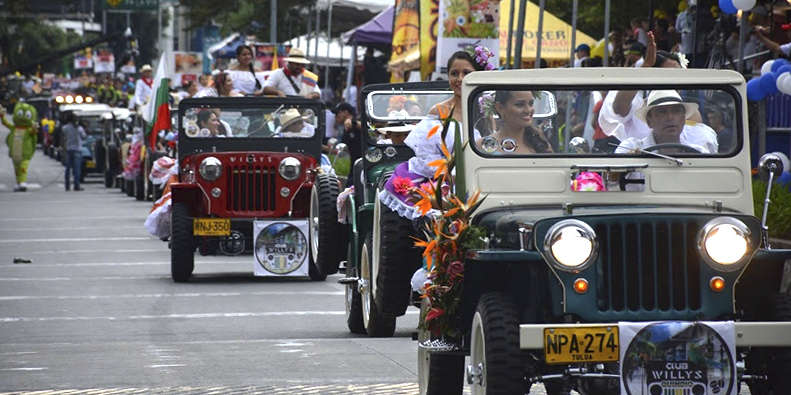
point(340, 147)
point(331, 142)
point(579, 145)
point(770, 166)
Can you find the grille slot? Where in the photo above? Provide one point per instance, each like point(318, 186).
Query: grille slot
point(648, 265)
point(251, 188)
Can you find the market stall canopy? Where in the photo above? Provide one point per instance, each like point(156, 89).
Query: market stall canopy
point(372, 6)
point(378, 30)
point(339, 54)
point(556, 42)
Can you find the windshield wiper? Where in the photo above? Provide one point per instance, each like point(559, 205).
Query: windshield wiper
point(657, 154)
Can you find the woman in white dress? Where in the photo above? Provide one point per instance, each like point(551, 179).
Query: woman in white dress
point(247, 79)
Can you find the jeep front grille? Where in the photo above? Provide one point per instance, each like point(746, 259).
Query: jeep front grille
point(648, 265)
point(251, 188)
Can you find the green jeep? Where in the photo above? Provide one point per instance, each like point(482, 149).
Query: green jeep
point(638, 267)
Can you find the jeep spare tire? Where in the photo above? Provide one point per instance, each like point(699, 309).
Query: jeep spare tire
point(327, 235)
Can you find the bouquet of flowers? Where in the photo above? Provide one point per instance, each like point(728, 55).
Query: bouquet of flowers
point(448, 235)
point(481, 55)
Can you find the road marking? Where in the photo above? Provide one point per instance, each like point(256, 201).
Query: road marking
point(78, 239)
point(167, 366)
point(51, 219)
point(339, 387)
point(184, 316)
point(18, 369)
point(185, 295)
point(97, 251)
point(75, 228)
point(110, 264)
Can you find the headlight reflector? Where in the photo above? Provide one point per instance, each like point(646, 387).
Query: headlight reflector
point(290, 168)
point(725, 242)
point(210, 168)
point(571, 245)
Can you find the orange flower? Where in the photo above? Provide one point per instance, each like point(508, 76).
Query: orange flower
point(432, 132)
point(434, 313)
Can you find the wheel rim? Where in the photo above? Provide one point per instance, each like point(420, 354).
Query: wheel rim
point(314, 224)
point(349, 293)
point(477, 357)
point(364, 285)
point(376, 243)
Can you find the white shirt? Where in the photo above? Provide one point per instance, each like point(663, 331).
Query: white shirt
point(279, 81)
point(351, 92)
point(698, 136)
point(142, 94)
point(244, 82)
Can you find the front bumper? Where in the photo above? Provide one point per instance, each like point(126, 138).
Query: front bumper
point(748, 334)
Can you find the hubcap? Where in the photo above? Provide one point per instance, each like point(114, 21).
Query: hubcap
point(476, 370)
point(364, 284)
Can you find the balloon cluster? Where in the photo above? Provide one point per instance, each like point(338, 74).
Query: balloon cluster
point(733, 6)
point(775, 77)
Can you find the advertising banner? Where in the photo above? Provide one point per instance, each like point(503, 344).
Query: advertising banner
point(556, 40)
point(406, 33)
point(265, 55)
point(467, 23)
point(83, 59)
point(429, 12)
point(678, 358)
point(281, 248)
point(104, 61)
point(127, 5)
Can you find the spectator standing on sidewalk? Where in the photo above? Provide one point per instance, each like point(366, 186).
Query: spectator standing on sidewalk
point(73, 135)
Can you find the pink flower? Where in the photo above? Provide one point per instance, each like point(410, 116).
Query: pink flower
point(588, 182)
point(402, 185)
point(455, 269)
point(434, 313)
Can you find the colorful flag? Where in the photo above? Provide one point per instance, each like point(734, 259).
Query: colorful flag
point(309, 78)
point(156, 112)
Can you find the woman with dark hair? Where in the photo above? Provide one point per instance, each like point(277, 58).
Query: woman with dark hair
point(210, 125)
point(516, 134)
point(247, 78)
point(428, 149)
point(223, 87)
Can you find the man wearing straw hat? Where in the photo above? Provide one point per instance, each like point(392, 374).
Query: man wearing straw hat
point(293, 79)
point(666, 115)
point(143, 88)
point(293, 124)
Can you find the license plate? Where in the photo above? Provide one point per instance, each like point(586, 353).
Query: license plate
point(211, 227)
point(584, 344)
point(90, 164)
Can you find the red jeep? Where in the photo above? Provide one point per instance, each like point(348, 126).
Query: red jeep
point(246, 170)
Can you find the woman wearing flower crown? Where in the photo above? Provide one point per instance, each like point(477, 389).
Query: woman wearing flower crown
point(428, 149)
point(516, 134)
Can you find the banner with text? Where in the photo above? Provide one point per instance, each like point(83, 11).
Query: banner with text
point(130, 5)
point(466, 23)
point(429, 12)
point(406, 32)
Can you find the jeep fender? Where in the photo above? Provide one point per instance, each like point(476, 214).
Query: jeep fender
point(191, 194)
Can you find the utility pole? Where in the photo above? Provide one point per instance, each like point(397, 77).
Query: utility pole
point(273, 22)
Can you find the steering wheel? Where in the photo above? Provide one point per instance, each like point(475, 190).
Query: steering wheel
point(682, 147)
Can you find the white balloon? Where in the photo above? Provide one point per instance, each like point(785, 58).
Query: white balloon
point(767, 67)
point(787, 86)
point(744, 5)
point(781, 81)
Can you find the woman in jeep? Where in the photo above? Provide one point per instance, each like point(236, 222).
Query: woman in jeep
point(516, 134)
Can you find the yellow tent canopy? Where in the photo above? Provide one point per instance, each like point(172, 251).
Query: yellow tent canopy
point(556, 42)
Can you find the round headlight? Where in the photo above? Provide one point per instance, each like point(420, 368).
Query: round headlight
point(571, 245)
point(724, 242)
point(290, 168)
point(210, 168)
point(373, 154)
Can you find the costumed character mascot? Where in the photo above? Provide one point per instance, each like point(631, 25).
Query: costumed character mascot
point(22, 140)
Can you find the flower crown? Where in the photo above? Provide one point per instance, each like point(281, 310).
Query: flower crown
point(481, 55)
point(486, 104)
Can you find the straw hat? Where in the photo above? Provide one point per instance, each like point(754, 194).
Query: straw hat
point(664, 98)
point(395, 127)
point(289, 117)
point(297, 56)
point(146, 67)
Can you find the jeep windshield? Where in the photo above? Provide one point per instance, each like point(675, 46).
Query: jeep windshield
point(392, 113)
point(271, 121)
point(655, 121)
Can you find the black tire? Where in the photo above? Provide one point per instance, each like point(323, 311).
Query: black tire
point(328, 237)
point(376, 324)
point(140, 192)
point(494, 343)
point(354, 302)
point(775, 363)
point(122, 185)
point(109, 179)
point(83, 171)
point(314, 272)
point(113, 159)
point(182, 243)
point(101, 157)
point(130, 187)
point(398, 260)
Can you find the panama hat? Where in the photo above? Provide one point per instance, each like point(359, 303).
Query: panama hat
point(146, 67)
point(297, 56)
point(289, 117)
point(664, 98)
point(395, 127)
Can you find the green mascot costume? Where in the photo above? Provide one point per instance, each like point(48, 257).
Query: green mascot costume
point(22, 140)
